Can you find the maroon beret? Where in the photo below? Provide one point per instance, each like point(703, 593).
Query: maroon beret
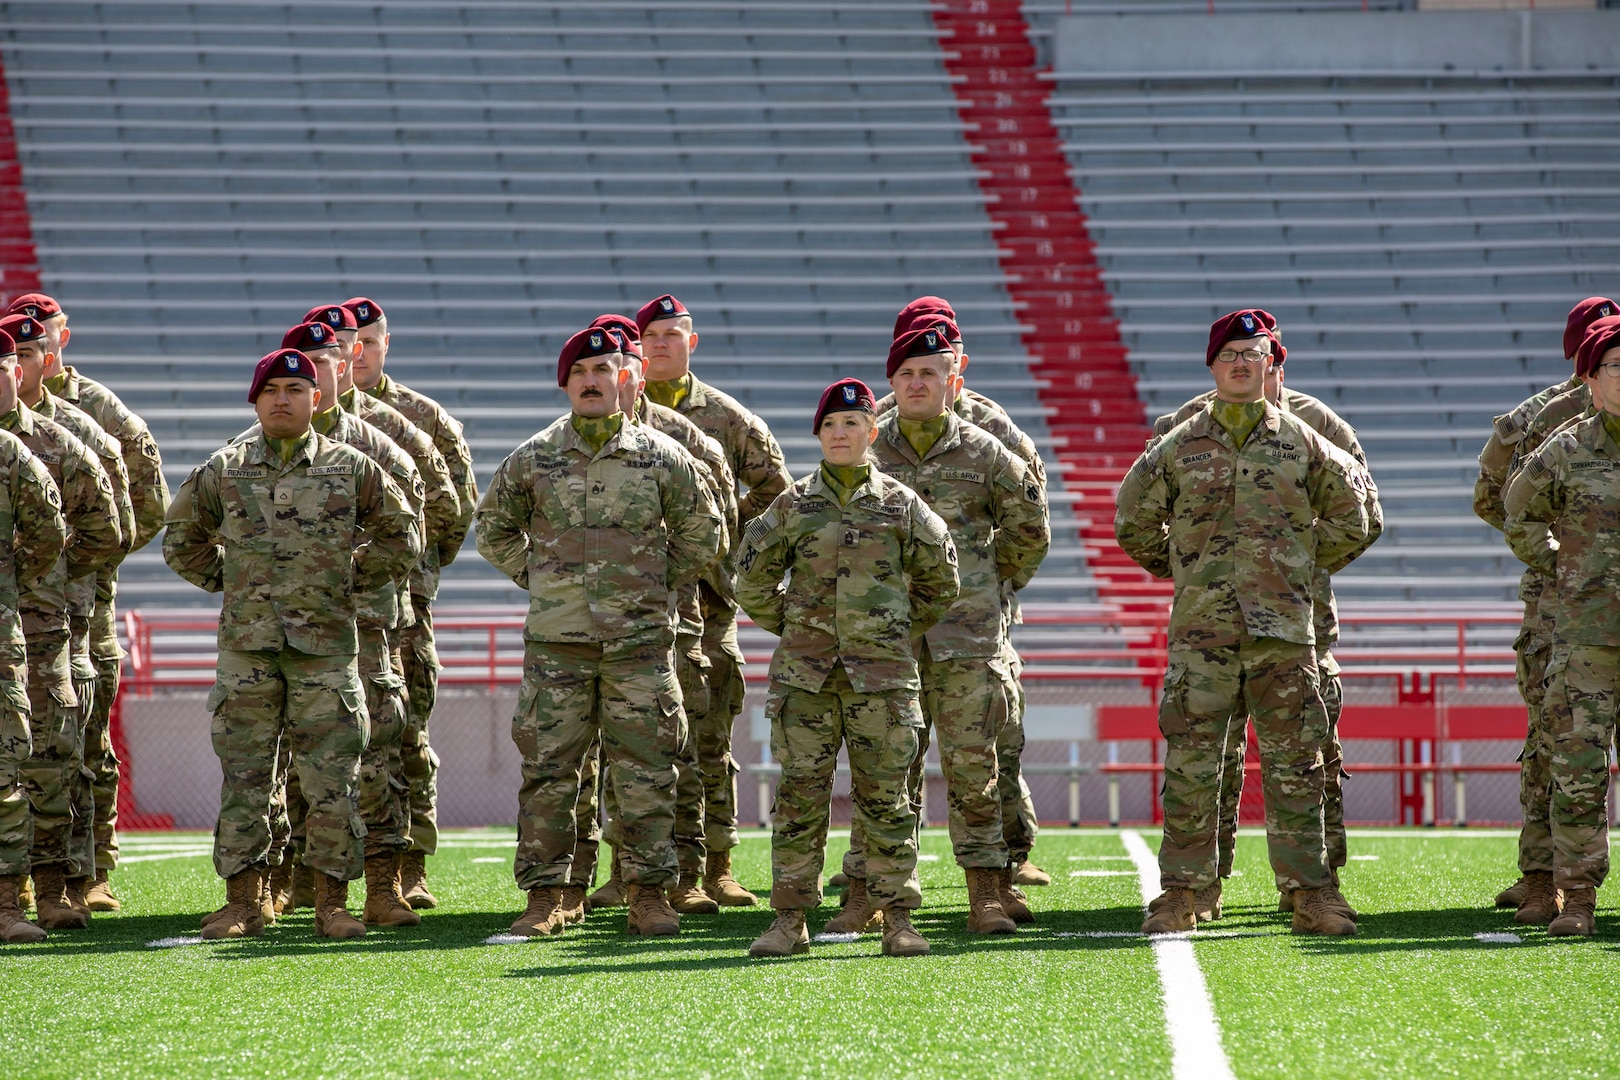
point(23, 328)
point(364, 309)
point(845, 395)
point(1601, 336)
point(953, 333)
point(664, 307)
point(1583, 315)
point(1247, 323)
point(36, 305)
point(622, 323)
point(8, 344)
point(307, 337)
point(923, 305)
point(281, 364)
point(336, 316)
point(591, 341)
point(923, 341)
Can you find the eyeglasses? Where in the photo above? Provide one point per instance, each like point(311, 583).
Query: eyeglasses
point(1611, 369)
point(1248, 356)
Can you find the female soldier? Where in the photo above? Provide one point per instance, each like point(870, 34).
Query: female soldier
point(847, 566)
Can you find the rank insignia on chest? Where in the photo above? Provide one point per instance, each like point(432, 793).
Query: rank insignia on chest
point(851, 537)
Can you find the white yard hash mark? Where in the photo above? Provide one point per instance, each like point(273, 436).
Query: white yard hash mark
point(837, 939)
point(1102, 873)
point(489, 859)
point(1498, 939)
point(1099, 858)
point(1202, 935)
point(191, 853)
point(506, 939)
point(1189, 1019)
point(1364, 858)
point(173, 942)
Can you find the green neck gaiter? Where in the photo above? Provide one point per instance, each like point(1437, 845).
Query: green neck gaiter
point(672, 392)
point(923, 434)
point(597, 430)
point(324, 422)
point(376, 391)
point(56, 383)
point(844, 480)
point(287, 449)
point(346, 400)
point(11, 419)
point(1238, 418)
point(1611, 424)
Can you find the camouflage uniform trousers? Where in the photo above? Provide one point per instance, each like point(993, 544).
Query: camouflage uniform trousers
point(711, 734)
point(1019, 825)
point(314, 705)
point(99, 754)
point(1276, 683)
point(53, 773)
point(1232, 777)
point(16, 815)
point(965, 703)
point(1581, 709)
point(420, 667)
point(881, 731)
point(83, 841)
point(690, 851)
point(1531, 652)
point(625, 694)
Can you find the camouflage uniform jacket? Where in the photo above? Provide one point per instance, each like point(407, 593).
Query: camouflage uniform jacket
point(1503, 448)
point(83, 592)
point(88, 507)
point(148, 491)
point(33, 534)
point(1316, 413)
point(445, 432)
point(1571, 486)
point(716, 473)
point(863, 580)
point(378, 608)
point(603, 543)
point(1242, 531)
point(290, 544)
point(1560, 411)
point(985, 414)
point(751, 450)
point(441, 506)
point(996, 514)
point(1325, 612)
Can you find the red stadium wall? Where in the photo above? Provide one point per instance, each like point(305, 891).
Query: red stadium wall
point(19, 264)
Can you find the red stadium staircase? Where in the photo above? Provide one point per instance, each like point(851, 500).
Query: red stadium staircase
point(1052, 275)
point(19, 264)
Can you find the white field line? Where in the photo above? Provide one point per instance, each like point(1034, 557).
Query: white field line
point(1189, 1018)
point(190, 853)
point(490, 859)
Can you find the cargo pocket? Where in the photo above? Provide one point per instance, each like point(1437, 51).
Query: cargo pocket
point(15, 696)
point(906, 710)
point(1556, 716)
point(1173, 702)
point(354, 705)
point(671, 723)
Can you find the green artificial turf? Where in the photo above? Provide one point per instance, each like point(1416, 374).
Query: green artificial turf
point(1415, 994)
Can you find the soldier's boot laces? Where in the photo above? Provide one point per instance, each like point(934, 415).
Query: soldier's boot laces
point(50, 895)
point(1335, 898)
point(1514, 894)
point(688, 897)
point(650, 914)
point(385, 903)
point(1012, 898)
point(985, 914)
point(1207, 902)
point(1175, 913)
point(543, 916)
point(571, 900)
point(1579, 915)
point(787, 936)
point(724, 889)
point(859, 914)
point(73, 888)
point(99, 895)
point(900, 938)
point(413, 881)
point(1029, 874)
point(613, 893)
point(1315, 913)
point(15, 929)
point(280, 879)
point(240, 917)
point(1542, 900)
point(303, 885)
point(332, 918)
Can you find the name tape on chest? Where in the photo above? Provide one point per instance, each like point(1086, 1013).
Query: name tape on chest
point(1194, 459)
point(244, 474)
point(1584, 465)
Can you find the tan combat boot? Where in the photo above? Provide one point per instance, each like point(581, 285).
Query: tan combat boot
point(1207, 902)
point(267, 900)
point(571, 900)
point(1542, 900)
point(985, 913)
point(50, 894)
point(385, 904)
point(99, 896)
point(859, 914)
point(900, 938)
point(544, 916)
point(1315, 913)
point(787, 936)
point(839, 880)
point(1579, 914)
point(1336, 898)
point(73, 888)
point(650, 914)
point(613, 892)
point(1514, 894)
point(1175, 912)
point(1027, 873)
point(332, 918)
point(303, 886)
point(413, 881)
point(1012, 898)
point(281, 889)
point(721, 886)
point(25, 895)
point(688, 897)
point(240, 917)
point(15, 929)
